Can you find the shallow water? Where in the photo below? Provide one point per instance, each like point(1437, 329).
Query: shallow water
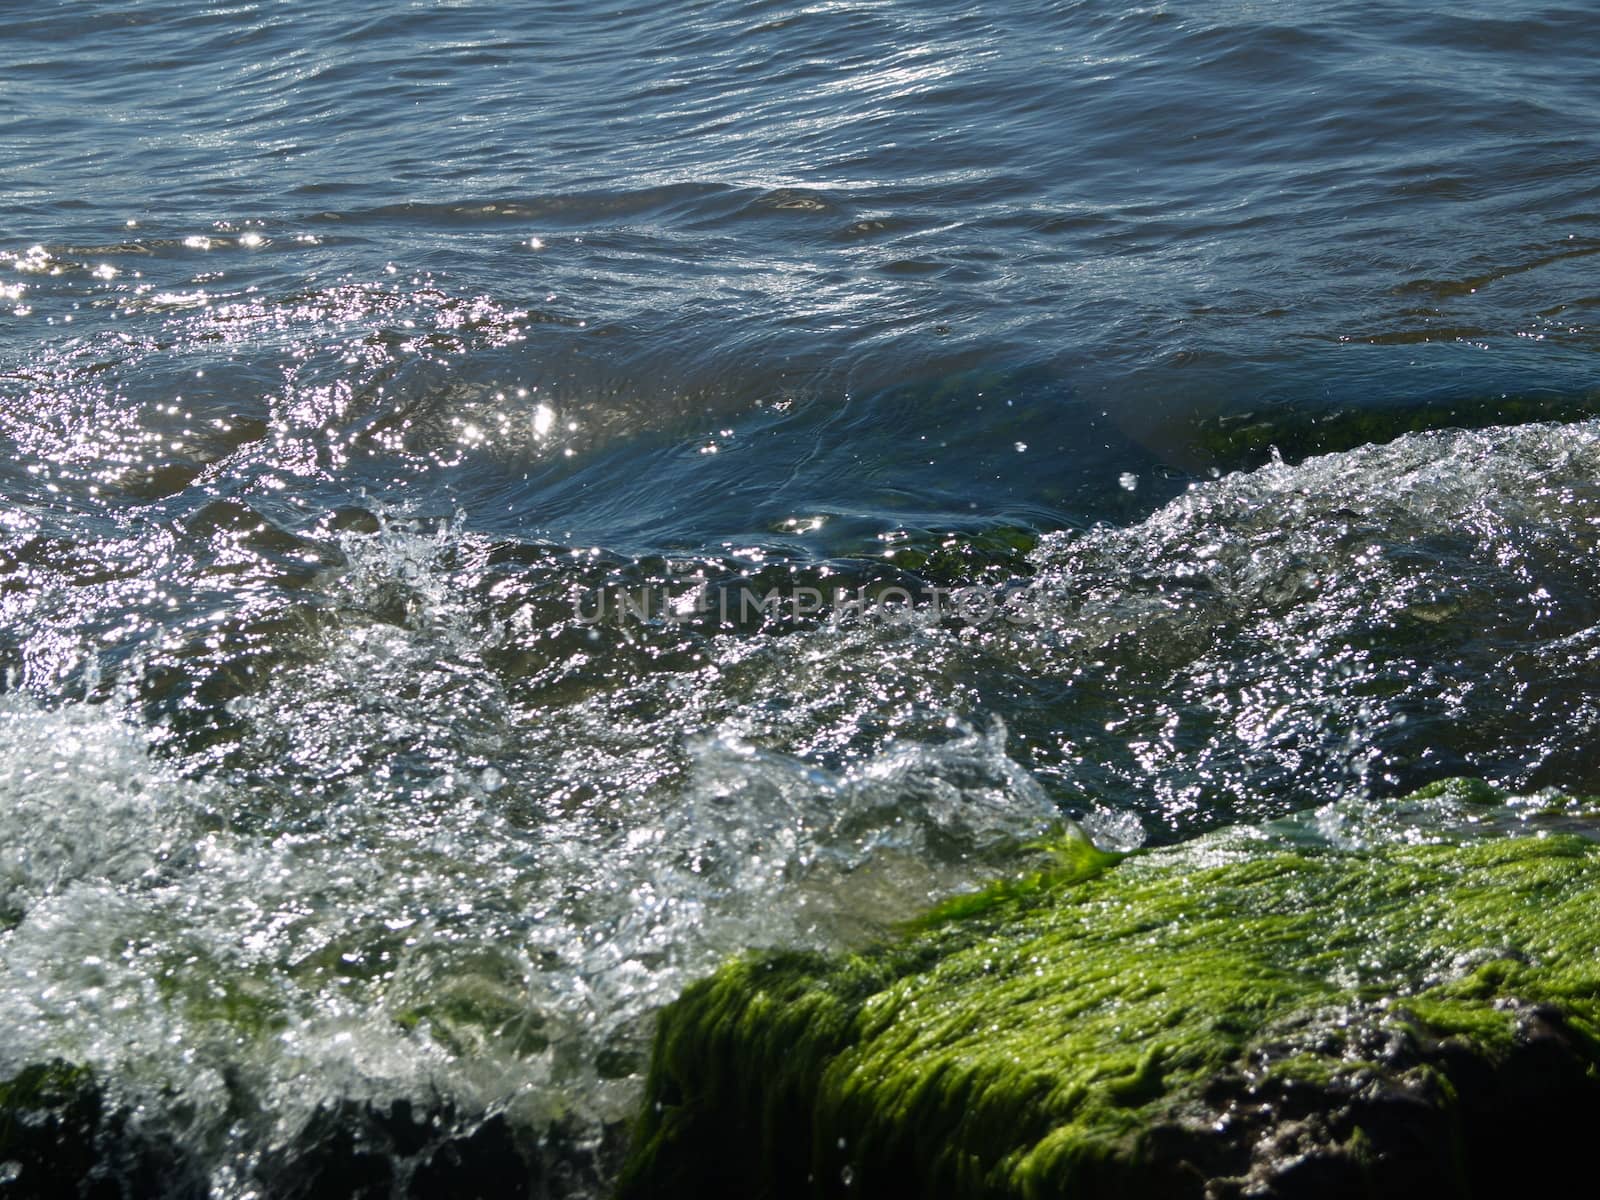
point(502, 506)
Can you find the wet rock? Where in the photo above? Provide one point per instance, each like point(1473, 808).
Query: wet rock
point(60, 1137)
point(431, 1152)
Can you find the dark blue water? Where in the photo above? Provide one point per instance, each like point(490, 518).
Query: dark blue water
point(354, 358)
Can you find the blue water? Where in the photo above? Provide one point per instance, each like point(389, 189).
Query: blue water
point(348, 352)
point(1153, 212)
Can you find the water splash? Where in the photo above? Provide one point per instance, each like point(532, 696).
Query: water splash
point(377, 815)
point(399, 941)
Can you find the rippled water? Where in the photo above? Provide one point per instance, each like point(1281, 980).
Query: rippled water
point(501, 506)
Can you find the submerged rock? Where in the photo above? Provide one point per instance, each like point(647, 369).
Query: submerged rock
point(1238, 1016)
point(1244, 440)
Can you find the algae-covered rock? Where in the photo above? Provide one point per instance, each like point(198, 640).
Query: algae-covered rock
point(1236, 1017)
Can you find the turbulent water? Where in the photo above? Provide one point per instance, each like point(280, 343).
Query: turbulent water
point(503, 505)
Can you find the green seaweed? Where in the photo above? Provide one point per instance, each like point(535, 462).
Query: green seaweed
point(236, 1003)
point(1244, 440)
point(1069, 858)
point(43, 1085)
point(470, 1014)
point(1058, 1035)
point(966, 558)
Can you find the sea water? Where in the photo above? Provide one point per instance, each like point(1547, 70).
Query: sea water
point(503, 505)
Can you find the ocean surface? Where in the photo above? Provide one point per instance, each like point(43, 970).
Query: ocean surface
point(503, 505)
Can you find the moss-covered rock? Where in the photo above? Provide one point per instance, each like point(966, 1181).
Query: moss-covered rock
point(1233, 1017)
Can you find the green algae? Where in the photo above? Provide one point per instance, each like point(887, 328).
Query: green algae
point(965, 558)
point(1234, 441)
point(240, 1005)
point(1096, 1029)
point(1068, 858)
point(473, 1014)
